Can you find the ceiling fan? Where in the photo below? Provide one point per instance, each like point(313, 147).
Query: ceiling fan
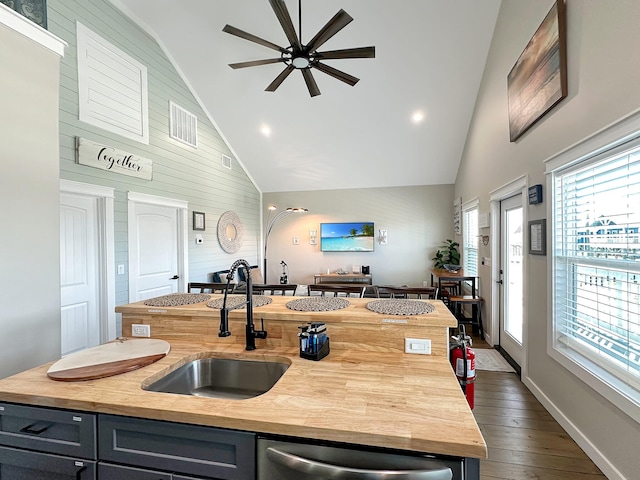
point(304, 57)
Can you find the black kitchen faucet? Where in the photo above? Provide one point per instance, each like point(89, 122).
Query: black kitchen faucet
point(250, 331)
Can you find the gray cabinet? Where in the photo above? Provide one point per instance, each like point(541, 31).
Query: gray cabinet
point(107, 471)
point(41, 443)
point(177, 448)
point(26, 465)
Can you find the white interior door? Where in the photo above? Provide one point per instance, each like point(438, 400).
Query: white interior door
point(79, 273)
point(154, 267)
point(512, 270)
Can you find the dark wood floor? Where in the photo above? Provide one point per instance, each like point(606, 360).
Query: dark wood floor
point(523, 439)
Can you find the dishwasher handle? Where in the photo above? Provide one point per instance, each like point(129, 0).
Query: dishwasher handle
point(337, 472)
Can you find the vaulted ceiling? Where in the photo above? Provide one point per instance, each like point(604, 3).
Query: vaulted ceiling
point(430, 56)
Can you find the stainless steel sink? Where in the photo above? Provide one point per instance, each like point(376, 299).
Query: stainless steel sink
point(228, 378)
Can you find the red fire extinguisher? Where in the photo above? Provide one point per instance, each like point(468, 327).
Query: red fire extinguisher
point(463, 361)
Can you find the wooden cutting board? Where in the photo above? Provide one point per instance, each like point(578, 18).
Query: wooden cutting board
point(119, 356)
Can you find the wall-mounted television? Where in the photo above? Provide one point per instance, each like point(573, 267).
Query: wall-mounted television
point(346, 237)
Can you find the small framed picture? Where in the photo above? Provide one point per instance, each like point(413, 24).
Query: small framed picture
point(538, 237)
point(198, 220)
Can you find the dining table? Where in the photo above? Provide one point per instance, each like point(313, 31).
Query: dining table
point(443, 275)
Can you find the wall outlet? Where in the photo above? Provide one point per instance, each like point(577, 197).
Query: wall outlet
point(420, 346)
point(140, 330)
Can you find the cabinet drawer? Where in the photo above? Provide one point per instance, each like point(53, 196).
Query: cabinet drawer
point(107, 471)
point(25, 465)
point(48, 430)
point(176, 447)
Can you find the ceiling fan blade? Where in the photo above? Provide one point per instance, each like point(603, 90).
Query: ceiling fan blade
point(335, 73)
point(311, 82)
point(280, 9)
point(279, 79)
point(252, 38)
point(362, 52)
point(337, 23)
point(255, 63)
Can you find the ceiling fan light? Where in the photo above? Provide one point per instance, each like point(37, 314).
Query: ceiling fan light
point(300, 62)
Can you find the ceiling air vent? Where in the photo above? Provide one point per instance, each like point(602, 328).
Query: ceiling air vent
point(183, 125)
point(226, 162)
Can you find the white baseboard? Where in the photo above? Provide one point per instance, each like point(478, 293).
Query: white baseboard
point(602, 462)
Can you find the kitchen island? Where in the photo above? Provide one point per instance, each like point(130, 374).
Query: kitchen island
point(367, 392)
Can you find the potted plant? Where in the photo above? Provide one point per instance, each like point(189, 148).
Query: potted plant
point(447, 255)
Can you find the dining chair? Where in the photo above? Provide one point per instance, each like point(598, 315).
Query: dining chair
point(274, 289)
point(337, 290)
point(210, 287)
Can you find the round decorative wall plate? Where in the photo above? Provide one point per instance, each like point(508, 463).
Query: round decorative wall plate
point(230, 230)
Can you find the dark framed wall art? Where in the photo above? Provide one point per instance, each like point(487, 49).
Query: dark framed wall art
point(34, 10)
point(198, 221)
point(538, 237)
point(538, 80)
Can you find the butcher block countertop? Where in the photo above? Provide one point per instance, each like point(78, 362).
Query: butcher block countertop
point(356, 312)
point(383, 399)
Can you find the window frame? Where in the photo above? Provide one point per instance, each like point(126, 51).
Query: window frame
point(622, 135)
point(468, 208)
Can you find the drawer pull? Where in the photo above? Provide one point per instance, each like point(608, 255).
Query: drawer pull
point(36, 428)
point(79, 472)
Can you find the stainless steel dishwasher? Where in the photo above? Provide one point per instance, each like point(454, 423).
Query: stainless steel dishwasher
point(283, 460)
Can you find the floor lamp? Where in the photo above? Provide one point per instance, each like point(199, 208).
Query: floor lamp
point(271, 222)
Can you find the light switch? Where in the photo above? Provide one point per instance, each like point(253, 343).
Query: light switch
point(121, 269)
point(420, 346)
point(296, 240)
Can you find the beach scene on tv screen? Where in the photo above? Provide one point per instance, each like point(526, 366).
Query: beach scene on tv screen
point(346, 237)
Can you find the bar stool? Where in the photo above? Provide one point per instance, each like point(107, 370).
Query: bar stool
point(457, 304)
point(447, 289)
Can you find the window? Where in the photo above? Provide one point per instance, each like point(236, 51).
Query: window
point(112, 87)
point(470, 238)
point(596, 268)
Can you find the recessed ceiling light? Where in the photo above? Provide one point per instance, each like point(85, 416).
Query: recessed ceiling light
point(265, 130)
point(417, 117)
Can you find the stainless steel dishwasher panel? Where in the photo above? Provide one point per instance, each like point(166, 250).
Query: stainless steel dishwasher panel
point(278, 460)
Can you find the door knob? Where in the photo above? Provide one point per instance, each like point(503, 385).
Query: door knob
point(175, 277)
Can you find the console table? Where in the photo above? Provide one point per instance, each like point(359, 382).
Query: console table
point(337, 278)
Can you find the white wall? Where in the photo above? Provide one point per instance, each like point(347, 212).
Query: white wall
point(29, 204)
point(418, 220)
point(603, 75)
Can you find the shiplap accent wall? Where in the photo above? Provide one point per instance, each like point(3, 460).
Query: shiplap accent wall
point(179, 171)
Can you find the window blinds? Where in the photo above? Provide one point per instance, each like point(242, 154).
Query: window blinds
point(597, 262)
point(470, 241)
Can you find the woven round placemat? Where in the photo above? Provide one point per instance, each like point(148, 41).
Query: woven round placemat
point(400, 306)
point(176, 299)
point(318, 304)
point(234, 300)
